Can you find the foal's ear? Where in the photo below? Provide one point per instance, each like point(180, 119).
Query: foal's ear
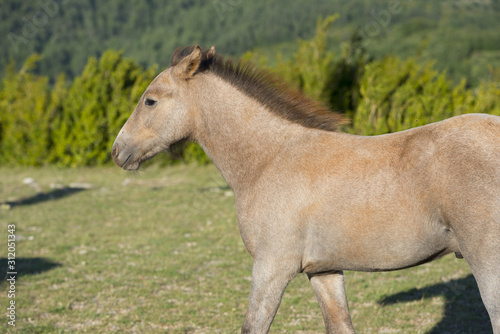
point(211, 52)
point(188, 66)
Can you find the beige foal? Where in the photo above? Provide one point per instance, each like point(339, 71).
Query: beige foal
point(313, 200)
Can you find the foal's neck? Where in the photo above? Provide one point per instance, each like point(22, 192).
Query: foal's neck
point(237, 132)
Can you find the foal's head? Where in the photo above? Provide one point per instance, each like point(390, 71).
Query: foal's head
point(164, 114)
point(167, 111)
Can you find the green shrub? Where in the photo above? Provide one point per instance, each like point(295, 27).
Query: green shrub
point(192, 152)
point(27, 110)
point(74, 126)
point(397, 95)
point(97, 105)
point(311, 64)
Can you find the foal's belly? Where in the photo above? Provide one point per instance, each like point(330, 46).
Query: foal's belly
point(385, 247)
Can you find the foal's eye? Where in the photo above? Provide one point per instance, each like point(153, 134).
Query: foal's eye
point(150, 102)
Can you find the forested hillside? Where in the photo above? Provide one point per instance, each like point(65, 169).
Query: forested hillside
point(460, 35)
point(147, 31)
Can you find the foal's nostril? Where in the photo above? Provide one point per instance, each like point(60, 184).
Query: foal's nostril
point(114, 151)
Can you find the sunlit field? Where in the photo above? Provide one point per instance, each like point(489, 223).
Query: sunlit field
point(102, 251)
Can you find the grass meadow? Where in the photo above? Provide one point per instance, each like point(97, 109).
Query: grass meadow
point(101, 250)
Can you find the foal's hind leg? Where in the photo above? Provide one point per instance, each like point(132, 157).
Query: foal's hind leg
point(330, 292)
point(482, 253)
point(486, 271)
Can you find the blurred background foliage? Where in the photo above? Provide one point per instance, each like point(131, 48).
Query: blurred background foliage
point(387, 66)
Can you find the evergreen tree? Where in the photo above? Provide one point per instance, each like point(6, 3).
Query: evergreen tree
point(397, 95)
point(97, 105)
point(26, 113)
point(311, 63)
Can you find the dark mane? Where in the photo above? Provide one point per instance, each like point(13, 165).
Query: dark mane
point(268, 89)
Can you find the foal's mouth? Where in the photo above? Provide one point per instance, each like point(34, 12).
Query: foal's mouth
point(126, 160)
point(131, 165)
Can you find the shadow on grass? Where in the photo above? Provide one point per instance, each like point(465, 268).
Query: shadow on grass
point(26, 266)
point(215, 189)
point(464, 311)
point(43, 197)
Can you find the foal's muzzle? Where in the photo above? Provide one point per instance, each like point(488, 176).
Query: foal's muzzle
point(123, 158)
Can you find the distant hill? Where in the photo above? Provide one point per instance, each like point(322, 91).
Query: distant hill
point(461, 35)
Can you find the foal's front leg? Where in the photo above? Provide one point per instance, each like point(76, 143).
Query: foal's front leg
point(330, 292)
point(270, 277)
